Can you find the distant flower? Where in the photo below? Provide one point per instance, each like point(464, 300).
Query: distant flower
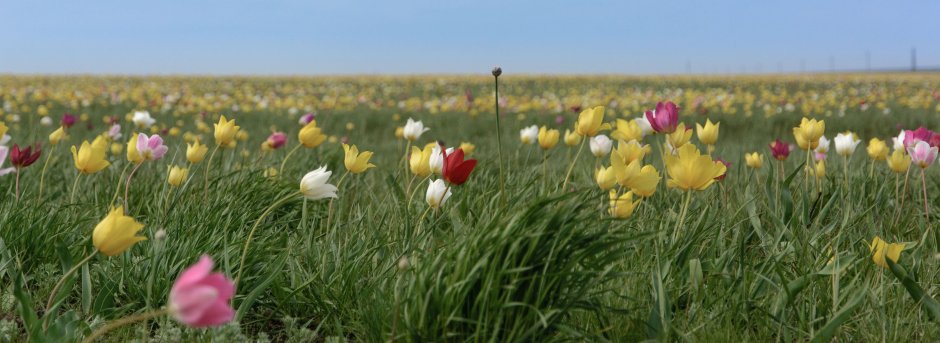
point(150, 148)
point(780, 150)
point(529, 135)
point(600, 145)
point(414, 129)
point(68, 120)
point(142, 119)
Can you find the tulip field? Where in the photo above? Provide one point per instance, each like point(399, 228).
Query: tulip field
point(432, 208)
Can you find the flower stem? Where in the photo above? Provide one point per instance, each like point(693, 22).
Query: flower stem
point(499, 143)
point(681, 220)
point(61, 282)
point(251, 234)
point(205, 189)
point(17, 184)
point(564, 185)
point(75, 186)
point(329, 211)
point(923, 179)
point(127, 186)
point(42, 174)
point(284, 162)
point(125, 321)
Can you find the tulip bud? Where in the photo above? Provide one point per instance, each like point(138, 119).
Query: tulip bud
point(497, 71)
point(403, 263)
point(160, 235)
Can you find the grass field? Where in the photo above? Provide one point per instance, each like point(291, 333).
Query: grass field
point(766, 254)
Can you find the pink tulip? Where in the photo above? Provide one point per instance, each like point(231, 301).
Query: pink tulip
point(921, 134)
point(819, 156)
point(664, 118)
point(115, 131)
point(151, 148)
point(277, 140)
point(307, 118)
point(200, 298)
point(922, 154)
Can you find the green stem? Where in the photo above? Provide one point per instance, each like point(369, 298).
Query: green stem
point(61, 282)
point(127, 186)
point(117, 190)
point(685, 208)
point(499, 143)
point(74, 186)
point(251, 233)
point(125, 321)
point(42, 174)
point(284, 162)
point(564, 185)
point(205, 193)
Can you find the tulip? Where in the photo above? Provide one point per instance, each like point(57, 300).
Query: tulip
point(621, 206)
point(225, 132)
point(307, 118)
point(400, 132)
point(437, 194)
point(707, 134)
point(150, 148)
point(644, 125)
point(547, 138)
point(898, 142)
point(314, 185)
point(642, 181)
point(413, 130)
point(90, 159)
point(114, 132)
point(665, 118)
point(132, 154)
point(591, 122)
point(529, 135)
point(68, 120)
point(921, 134)
point(808, 133)
point(196, 152)
point(690, 170)
point(355, 162)
point(116, 233)
point(754, 160)
point(877, 149)
point(727, 165)
point(177, 175)
point(419, 161)
point(310, 135)
point(3, 130)
point(606, 177)
point(678, 138)
point(4, 151)
point(600, 145)
point(275, 141)
point(627, 130)
point(819, 170)
point(922, 154)
point(899, 162)
point(632, 150)
point(45, 121)
point(142, 119)
point(780, 150)
point(823, 145)
point(467, 147)
point(456, 170)
point(881, 250)
point(200, 298)
point(572, 138)
point(25, 157)
point(436, 161)
point(57, 136)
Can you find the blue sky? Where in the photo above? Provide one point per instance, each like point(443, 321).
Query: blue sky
point(404, 37)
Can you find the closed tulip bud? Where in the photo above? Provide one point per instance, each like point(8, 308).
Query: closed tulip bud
point(547, 138)
point(780, 150)
point(880, 250)
point(529, 135)
point(754, 160)
point(437, 194)
point(419, 161)
point(57, 136)
point(436, 161)
point(117, 148)
point(621, 206)
point(177, 176)
point(606, 177)
point(270, 172)
point(877, 149)
point(311, 136)
point(355, 162)
point(707, 134)
point(846, 143)
point(116, 233)
point(196, 152)
point(314, 185)
point(90, 158)
point(225, 132)
point(572, 138)
point(820, 170)
point(591, 122)
point(414, 129)
point(600, 145)
point(467, 147)
point(822, 145)
point(497, 71)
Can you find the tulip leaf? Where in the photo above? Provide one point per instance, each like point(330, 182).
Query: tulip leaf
point(839, 318)
point(31, 321)
point(930, 305)
point(257, 291)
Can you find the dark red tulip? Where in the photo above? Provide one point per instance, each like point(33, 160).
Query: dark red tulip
point(68, 120)
point(25, 157)
point(780, 150)
point(727, 166)
point(456, 170)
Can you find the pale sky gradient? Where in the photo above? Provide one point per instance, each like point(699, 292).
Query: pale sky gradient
point(424, 36)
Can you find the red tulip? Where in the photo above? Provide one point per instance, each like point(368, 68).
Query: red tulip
point(780, 150)
point(26, 157)
point(455, 169)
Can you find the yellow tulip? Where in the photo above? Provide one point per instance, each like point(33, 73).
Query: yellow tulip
point(467, 147)
point(680, 137)
point(707, 134)
point(132, 154)
point(4, 128)
point(881, 249)
point(591, 122)
point(645, 182)
point(116, 233)
point(627, 130)
point(196, 152)
point(820, 169)
point(54, 138)
point(420, 161)
point(116, 148)
point(399, 132)
point(689, 169)
point(548, 138)
point(606, 177)
point(225, 132)
point(90, 158)
point(621, 206)
point(808, 133)
point(754, 160)
point(177, 175)
point(310, 135)
point(631, 151)
point(899, 162)
point(572, 138)
point(355, 162)
point(877, 149)
point(101, 142)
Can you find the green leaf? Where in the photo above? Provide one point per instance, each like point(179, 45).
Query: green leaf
point(829, 330)
point(918, 294)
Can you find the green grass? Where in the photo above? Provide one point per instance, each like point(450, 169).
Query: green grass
point(526, 263)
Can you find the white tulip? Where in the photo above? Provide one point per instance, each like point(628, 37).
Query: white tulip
point(529, 135)
point(314, 186)
point(899, 141)
point(600, 145)
point(823, 145)
point(846, 143)
point(644, 125)
point(437, 194)
point(436, 161)
point(143, 119)
point(414, 129)
point(45, 121)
